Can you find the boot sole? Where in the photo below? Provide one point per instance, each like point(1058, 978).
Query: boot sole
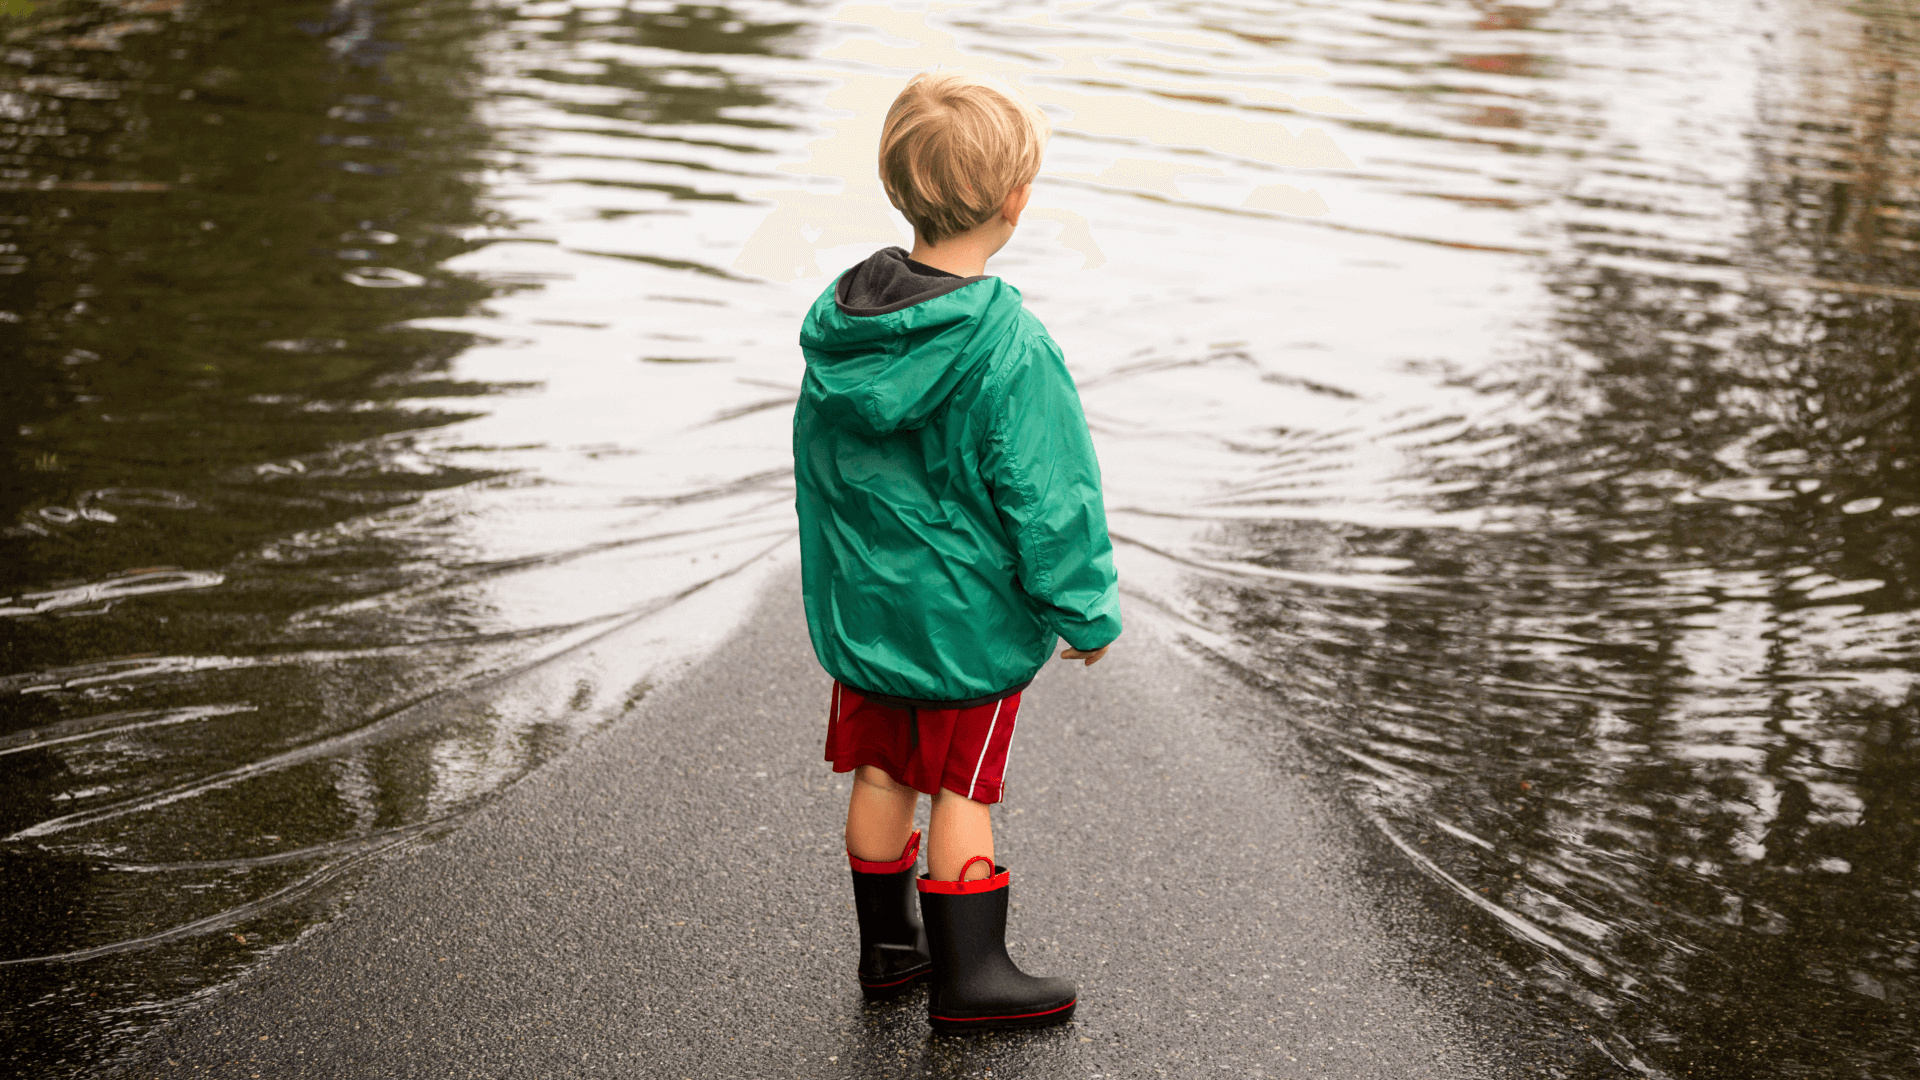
point(960, 1025)
point(887, 991)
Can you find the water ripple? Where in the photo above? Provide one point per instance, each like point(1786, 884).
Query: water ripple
point(103, 594)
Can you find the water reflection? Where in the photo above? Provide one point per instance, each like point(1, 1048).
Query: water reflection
point(233, 608)
point(1524, 395)
point(1660, 708)
point(315, 518)
point(196, 366)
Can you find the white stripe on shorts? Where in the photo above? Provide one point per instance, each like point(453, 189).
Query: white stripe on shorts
point(1013, 728)
point(985, 746)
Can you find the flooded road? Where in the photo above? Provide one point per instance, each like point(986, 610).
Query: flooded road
point(1524, 396)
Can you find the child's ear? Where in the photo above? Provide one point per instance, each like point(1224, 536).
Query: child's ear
point(1016, 202)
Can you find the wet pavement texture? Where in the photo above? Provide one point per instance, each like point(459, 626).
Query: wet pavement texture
point(671, 899)
point(1518, 399)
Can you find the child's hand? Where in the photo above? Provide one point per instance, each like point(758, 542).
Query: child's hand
point(1091, 658)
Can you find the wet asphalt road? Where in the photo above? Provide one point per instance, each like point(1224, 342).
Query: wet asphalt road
point(671, 900)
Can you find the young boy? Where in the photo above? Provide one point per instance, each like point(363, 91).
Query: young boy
point(951, 529)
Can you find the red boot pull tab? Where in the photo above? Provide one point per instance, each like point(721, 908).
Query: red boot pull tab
point(968, 865)
point(963, 887)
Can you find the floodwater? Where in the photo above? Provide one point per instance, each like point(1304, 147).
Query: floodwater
point(1524, 396)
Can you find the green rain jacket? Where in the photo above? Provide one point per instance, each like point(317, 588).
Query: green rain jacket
point(950, 516)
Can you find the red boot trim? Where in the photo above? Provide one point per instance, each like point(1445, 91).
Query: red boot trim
point(966, 888)
point(905, 862)
point(1014, 1016)
point(917, 973)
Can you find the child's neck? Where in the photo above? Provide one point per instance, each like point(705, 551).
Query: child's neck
point(966, 253)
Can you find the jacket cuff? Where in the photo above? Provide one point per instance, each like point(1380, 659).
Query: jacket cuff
point(1101, 632)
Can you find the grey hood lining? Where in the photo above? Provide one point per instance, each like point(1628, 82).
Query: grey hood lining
point(888, 281)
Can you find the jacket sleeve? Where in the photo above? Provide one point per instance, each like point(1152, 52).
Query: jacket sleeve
point(1046, 484)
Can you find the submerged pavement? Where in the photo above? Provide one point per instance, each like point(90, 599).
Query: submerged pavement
point(671, 900)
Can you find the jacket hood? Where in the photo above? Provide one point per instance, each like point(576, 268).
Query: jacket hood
point(888, 344)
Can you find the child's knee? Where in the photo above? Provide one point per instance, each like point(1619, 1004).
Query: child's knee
point(875, 777)
point(947, 797)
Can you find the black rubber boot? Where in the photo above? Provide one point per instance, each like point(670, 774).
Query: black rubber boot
point(976, 986)
point(893, 944)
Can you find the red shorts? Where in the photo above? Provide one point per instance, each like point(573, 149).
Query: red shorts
point(962, 750)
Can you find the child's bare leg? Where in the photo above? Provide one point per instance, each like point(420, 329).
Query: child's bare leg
point(957, 830)
point(879, 815)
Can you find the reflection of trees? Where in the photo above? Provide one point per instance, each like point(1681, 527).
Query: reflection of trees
point(683, 93)
point(184, 206)
point(198, 381)
point(1673, 691)
point(190, 374)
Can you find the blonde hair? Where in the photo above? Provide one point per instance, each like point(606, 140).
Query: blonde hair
point(955, 145)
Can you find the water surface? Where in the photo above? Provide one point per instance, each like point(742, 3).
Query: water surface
point(1522, 395)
